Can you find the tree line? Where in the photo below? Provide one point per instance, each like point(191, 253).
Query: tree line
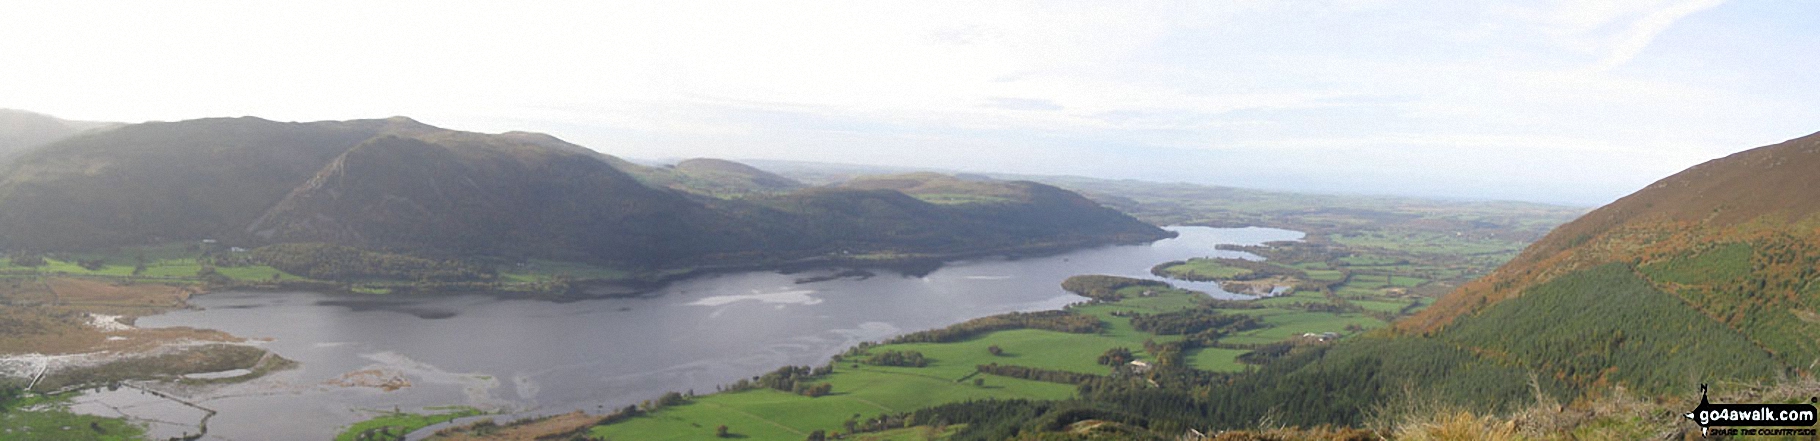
point(1059, 321)
point(1106, 288)
point(335, 262)
point(1035, 373)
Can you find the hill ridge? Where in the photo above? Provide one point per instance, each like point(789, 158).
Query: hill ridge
point(400, 185)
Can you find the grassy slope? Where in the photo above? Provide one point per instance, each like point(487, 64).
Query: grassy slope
point(1608, 325)
point(1581, 333)
point(1684, 232)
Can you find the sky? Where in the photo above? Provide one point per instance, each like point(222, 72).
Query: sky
point(1576, 102)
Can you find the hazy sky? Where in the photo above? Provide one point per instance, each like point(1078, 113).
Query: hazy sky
point(1568, 101)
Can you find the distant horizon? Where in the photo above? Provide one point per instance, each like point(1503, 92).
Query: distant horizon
point(1564, 102)
point(901, 168)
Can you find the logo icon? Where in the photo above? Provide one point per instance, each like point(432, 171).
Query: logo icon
point(1709, 415)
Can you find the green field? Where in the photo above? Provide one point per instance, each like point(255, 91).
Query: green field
point(537, 270)
point(186, 262)
point(1381, 305)
point(1216, 359)
point(394, 425)
point(770, 414)
point(1429, 242)
point(171, 261)
point(47, 417)
point(1326, 275)
point(1204, 269)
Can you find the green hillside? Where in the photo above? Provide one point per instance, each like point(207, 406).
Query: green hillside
point(398, 185)
point(154, 182)
point(1733, 239)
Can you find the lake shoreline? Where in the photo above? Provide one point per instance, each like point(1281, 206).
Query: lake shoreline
point(721, 326)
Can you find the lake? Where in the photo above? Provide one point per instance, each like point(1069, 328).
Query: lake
point(362, 354)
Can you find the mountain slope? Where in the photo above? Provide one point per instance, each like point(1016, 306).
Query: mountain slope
point(1711, 275)
point(164, 181)
point(710, 177)
point(399, 185)
point(865, 220)
point(21, 130)
point(405, 193)
point(734, 176)
point(1734, 238)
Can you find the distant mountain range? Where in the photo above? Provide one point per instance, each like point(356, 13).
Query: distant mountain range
point(21, 130)
point(400, 185)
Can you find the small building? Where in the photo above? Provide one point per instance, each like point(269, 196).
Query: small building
point(1321, 337)
point(1139, 366)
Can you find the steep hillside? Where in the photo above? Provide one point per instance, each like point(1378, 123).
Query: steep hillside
point(166, 181)
point(403, 186)
point(1734, 238)
point(1706, 276)
point(490, 197)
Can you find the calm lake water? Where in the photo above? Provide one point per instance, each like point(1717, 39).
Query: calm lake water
point(546, 357)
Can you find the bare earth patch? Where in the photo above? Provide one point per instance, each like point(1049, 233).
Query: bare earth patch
point(543, 428)
point(382, 379)
point(1258, 287)
point(117, 298)
point(67, 331)
point(37, 331)
point(1807, 316)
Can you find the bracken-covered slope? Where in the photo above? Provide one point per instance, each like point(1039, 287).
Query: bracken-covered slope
point(1735, 240)
point(396, 184)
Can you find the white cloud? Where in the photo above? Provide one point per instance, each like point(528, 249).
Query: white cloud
point(1644, 30)
point(1076, 82)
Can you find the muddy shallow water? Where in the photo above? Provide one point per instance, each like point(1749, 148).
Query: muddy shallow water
point(364, 354)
